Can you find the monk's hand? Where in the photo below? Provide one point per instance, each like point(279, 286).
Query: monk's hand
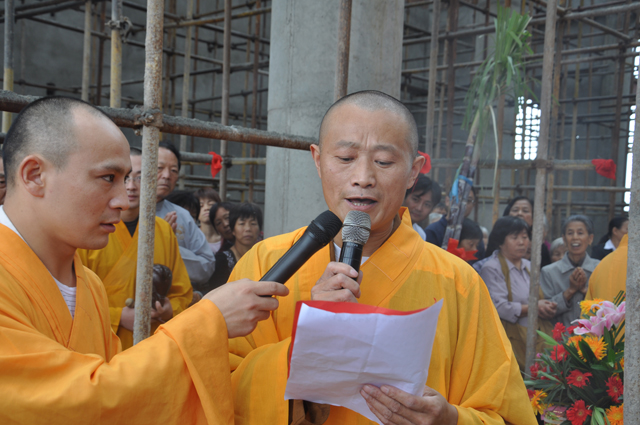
point(172, 219)
point(162, 312)
point(337, 284)
point(127, 317)
point(244, 303)
point(394, 406)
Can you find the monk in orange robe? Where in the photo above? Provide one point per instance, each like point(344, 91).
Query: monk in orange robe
point(610, 275)
point(116, 264)
point(61, 362)
point(366, 158)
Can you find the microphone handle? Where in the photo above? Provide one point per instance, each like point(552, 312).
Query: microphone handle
point(293, 259)
point(351, 254)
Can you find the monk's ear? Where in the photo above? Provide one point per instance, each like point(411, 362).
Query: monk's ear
point(416, 166)
point(30, 175)
point(315, 153)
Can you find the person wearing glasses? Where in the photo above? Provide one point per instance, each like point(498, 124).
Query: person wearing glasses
point(116, 263)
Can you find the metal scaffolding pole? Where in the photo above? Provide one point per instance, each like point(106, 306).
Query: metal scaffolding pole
point(7, 83)
point(226, 75)
point(185, 83)
point(86, 52)
point(150, 140)
point(116, 53)
point(433, 70)
point(254, 100)
point(541, 177)
point(632, 326)
point(344, 41)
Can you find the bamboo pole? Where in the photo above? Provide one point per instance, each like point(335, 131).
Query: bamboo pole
point(496, 178)
point(574, 112)
point(344, 42)
point(541, 176)
point(254, 100)
point(7, 83)
point(86, 52)
point(433, 70)
point(184, 111)
point(451, 79)
point(632, 326)
point(103, 14)
point(150, 140)
point(116, 54)
point(226, 58)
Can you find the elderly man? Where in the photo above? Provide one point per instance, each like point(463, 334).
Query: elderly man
point(60, 360)
point(194, 248)
point(116, 264)
point(367, 158)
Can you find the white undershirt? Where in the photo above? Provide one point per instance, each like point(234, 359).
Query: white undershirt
point(338, 249)
point(610, 245)
point(68, 293)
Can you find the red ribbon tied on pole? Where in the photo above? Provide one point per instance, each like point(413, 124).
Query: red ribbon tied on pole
point(216, 164)
point(452, 247)
point(605, 167)
point(427, 163)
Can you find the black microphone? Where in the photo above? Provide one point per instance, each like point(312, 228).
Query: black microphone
point(319, 233)
point(355, 233)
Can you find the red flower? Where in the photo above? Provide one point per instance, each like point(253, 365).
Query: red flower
point(615, 388)
point(578, 379)
point(530, 393)
point(534, 370)
point(452, 247)
point(571, 328)
point(578, 413)
point(558, 330)
point(558, 353)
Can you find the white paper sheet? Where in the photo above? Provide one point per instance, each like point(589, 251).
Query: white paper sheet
point(335, 354)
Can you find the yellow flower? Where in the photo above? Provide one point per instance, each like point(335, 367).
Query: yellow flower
point(573, 341)
point(622, 363)
point(536, 399)
point(597, 345)
point(614, 414)
point(587, 305)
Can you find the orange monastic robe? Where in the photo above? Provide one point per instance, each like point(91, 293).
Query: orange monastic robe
point(59, 370)
point(472, 363)
point(116, 263)
point(610, 276)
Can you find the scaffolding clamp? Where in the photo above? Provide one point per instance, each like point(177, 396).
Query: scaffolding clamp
point(124, 26)
point(147, 118)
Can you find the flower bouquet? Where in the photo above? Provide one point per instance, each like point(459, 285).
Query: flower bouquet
point(579, 379)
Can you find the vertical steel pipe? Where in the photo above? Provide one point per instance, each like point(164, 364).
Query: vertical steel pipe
point(495, 214)
point(615, 134)
point(632, 325)
point(103, 14)
point(185, 83)
point(541, 177)
point(150, 140)
point(116, 54)
point(451, 81)
point(433, 71)
point(226, 76)
point(7, 83)
point(344, 41)
point(86, 52)
point(254, 98)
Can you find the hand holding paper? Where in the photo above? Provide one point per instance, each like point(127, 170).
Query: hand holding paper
point(394, 406)
point(337, 348)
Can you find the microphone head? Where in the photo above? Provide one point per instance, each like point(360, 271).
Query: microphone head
point(356, 228)
point(325, 227)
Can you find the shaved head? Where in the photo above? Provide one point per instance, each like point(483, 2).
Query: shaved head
point(372, 100)
point(45, 127)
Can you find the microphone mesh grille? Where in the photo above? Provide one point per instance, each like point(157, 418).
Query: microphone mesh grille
point(356, 227)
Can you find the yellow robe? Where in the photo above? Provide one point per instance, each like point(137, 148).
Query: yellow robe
point(610, 276)
point(59, 370)
point(116, 263)
point(472, 363)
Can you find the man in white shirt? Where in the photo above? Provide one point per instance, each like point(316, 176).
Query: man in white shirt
point(194, 248)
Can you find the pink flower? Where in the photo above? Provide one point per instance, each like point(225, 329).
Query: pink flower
point(593, 325)
point(608, 315)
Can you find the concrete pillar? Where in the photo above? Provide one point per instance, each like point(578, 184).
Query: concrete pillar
point(302, 66)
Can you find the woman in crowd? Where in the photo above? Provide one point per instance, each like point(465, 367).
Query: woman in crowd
point(420, 200)
point(506, 274)
point(219, 219)
point(565, 282)
point(522, 207)
point(558, 249)
point(187, 200)
point(618, 227)
point(245, 220)
point(209, 197)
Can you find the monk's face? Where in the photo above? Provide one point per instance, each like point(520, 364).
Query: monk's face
point(365, 163)
point(132, 182)
point(84, 199)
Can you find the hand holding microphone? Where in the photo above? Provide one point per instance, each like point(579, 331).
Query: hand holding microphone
point(341, 280)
